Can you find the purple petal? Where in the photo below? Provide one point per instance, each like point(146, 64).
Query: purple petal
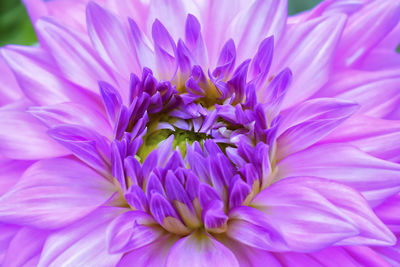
point(261, 62)
point(175, 190)
point(226, 60)
point(214, 217)
point(238, 191)
point(154, 185)
point(194, 40)
point(131, 230)
point(87, 145)
point(197, 249)
point(54, 194)
point(111, 99)
point(136, 198)
point(161, 208)
point(274, 95)
point(117, 165)
point(165, 51)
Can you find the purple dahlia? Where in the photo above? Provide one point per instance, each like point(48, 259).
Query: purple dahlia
point(202, 133)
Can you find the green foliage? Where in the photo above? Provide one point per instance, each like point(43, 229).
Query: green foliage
point(15, 26)
point(297, 6)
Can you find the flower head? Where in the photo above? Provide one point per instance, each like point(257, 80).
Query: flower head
point(212, 133)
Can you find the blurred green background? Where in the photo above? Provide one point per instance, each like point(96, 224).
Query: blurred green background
point(15, 27)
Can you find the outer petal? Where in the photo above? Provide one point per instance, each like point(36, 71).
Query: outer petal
point(252, 25)
point(172, 13)
point(23, 137)
point(72, 113)
point(378, 137)
point(250, 256)
point(40, 79)
point(132, 230)
point(332, 213)
point(376, 179)
point(53, 193)
point(111, 40)
point(71, 15)
point(198, 250)
point(366, 29)
point(372, 100)
point(216, 18)
point(9, 89)
point(11, 172)
point(152, 255)
point(308, 49)
point(75, 58)
point(7, 232)
point(31, 240)
point(82, 243)
point(310, 121)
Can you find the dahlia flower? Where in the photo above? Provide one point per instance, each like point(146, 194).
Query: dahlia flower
point(202, 133)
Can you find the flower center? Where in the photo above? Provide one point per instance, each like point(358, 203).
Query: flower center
point(188, 156)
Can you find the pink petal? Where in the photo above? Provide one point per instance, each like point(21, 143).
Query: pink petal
point(332, 213)
point(39, 77)
point(254, 228)
point(250, 256)
point(82, 243)
point(294, 259)
point(376, 179)
point(377, 137)
point(366, 256)
point(112, 41)
point(25, 245)
point(366, 29)
point(389, 213)
point(72, 113)
point(259, 20)
point(75, 58)
point(334, 256)
point(53, 193)
point(350, 79)
point(70, 15)
point(310, 121)
point(216, 18)
point(308, 49)
point(11, 172)
point(172, 13)
point(7, 233)
point(152, 255)
point(24, 137)
point(372, 101)
point(9, 89)
point(197, 250)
